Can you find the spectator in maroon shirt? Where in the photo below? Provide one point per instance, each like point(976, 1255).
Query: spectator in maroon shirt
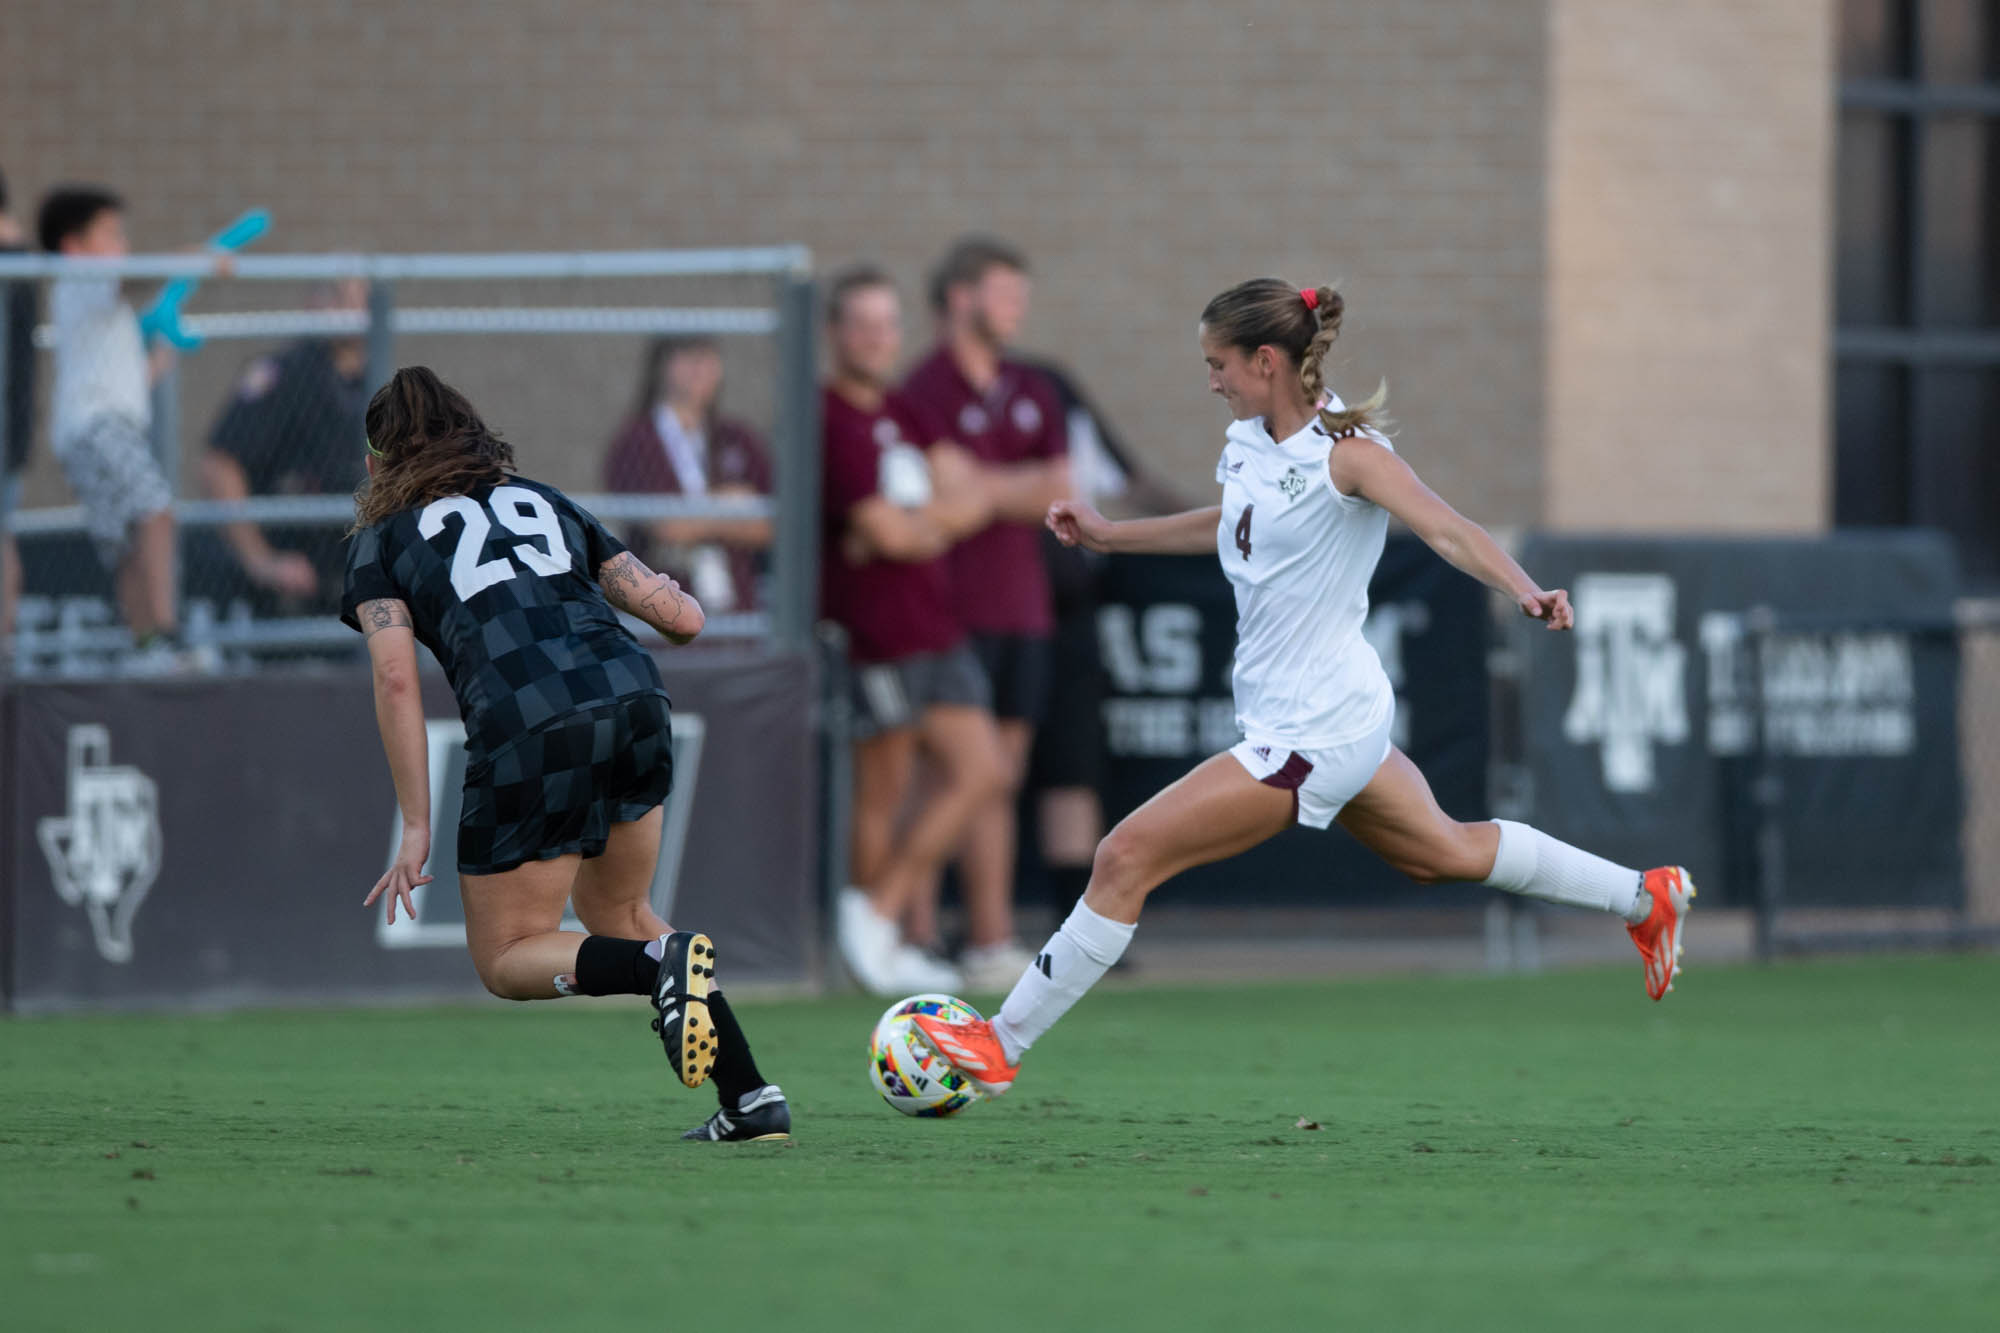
point(677, 442)
point(1008, 416)
point(890, 514)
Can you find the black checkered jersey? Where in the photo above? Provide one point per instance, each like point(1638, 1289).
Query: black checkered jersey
point(502, 586)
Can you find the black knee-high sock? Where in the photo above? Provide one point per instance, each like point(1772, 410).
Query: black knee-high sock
point(609, 966)
point(735, 1070)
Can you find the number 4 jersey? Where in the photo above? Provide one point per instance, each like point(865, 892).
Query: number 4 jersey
point(501, 583)
point(1299, 555)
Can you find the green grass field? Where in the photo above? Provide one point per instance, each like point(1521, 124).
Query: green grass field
point(1810, 1146)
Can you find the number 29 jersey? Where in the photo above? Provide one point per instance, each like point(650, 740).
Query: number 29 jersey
point(1299, 555)
point(501, 583)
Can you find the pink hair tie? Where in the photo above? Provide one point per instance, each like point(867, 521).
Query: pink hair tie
point(1310, 295)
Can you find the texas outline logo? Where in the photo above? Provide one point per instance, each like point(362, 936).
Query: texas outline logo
point(104, 849)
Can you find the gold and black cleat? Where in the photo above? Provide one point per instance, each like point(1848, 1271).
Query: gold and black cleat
point(687, 970)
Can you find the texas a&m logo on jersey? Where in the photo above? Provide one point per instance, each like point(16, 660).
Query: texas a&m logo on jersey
point(1293, 483)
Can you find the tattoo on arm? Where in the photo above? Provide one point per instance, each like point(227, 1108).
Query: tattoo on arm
point(660, 611)
point(637, 590)
point(620, 578)
point(383, 613)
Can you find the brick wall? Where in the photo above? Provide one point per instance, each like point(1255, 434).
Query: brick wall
point(1145, 153)
point(1582, 238)
point(1689, 233)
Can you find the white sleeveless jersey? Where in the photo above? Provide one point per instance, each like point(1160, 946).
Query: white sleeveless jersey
point(1300, 555)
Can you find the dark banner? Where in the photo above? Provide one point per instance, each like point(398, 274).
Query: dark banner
point(1168, 631)
point(1640, 726)
point(209, 841)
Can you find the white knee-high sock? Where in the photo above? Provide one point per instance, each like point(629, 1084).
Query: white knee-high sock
point(1082, 950)
point(1531, 862)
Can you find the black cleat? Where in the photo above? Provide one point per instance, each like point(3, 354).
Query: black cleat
point(687, 970)
point(766, 1119)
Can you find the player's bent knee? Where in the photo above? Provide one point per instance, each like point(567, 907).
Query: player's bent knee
point(496, 986)
point(1121, 865)
point(487, 963)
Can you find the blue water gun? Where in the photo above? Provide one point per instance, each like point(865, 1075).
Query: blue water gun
point(163, 318)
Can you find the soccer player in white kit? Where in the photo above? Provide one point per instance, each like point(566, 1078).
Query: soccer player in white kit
point(1308, 487)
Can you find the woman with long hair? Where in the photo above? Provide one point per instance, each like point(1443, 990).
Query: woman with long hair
point(1308, 488)
point(567, 758)
point(677, 440)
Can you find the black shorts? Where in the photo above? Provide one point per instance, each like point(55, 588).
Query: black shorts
point(1018, 667)
point(559, 788)
point(889, 696)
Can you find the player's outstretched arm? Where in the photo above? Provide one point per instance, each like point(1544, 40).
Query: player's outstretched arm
point(1190, 533)
point(399, 712)
point(654, 598)
point(1360, 466)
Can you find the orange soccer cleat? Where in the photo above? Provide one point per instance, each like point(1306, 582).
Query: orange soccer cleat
point(972, 1049)
point(1659, 935)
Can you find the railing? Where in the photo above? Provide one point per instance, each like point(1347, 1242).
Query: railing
point(71, 627)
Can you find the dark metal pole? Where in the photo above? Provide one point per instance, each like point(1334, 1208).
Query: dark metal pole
point(7, 291)
point(1766, 787)
point(381, 332)
point(167, 452)
point(837, 775)
point(795, 543)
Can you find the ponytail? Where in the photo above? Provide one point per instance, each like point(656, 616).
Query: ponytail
point(1302, 322)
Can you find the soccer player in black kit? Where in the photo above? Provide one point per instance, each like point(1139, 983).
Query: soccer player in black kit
point(512, 587)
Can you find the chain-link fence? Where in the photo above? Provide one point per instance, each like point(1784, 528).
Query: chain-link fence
point(671, 392)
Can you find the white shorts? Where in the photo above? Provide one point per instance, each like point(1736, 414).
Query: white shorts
point(1320, 781)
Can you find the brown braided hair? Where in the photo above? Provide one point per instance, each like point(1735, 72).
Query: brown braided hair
point(428, 443)
point(1270, 312)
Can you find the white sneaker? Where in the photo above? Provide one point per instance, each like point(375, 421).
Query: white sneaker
point(912, 970)
point(994, 967)
point(868, 941)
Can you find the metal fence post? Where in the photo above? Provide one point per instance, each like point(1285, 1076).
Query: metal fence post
point(795, 543)
point(836, 804)
point(167, 424)
point(1767, 788)
point(7, 290)
point(381, 332)
point(167, 450)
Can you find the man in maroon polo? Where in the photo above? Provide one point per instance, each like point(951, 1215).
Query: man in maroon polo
point(1010, 419)
point(892, 510)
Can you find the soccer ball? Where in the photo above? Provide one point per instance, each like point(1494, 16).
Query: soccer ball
point(911, 1076)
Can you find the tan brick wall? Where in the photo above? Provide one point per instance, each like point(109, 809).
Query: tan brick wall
point(1144, 152)
point(1653, 302)
point(1689, 240)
